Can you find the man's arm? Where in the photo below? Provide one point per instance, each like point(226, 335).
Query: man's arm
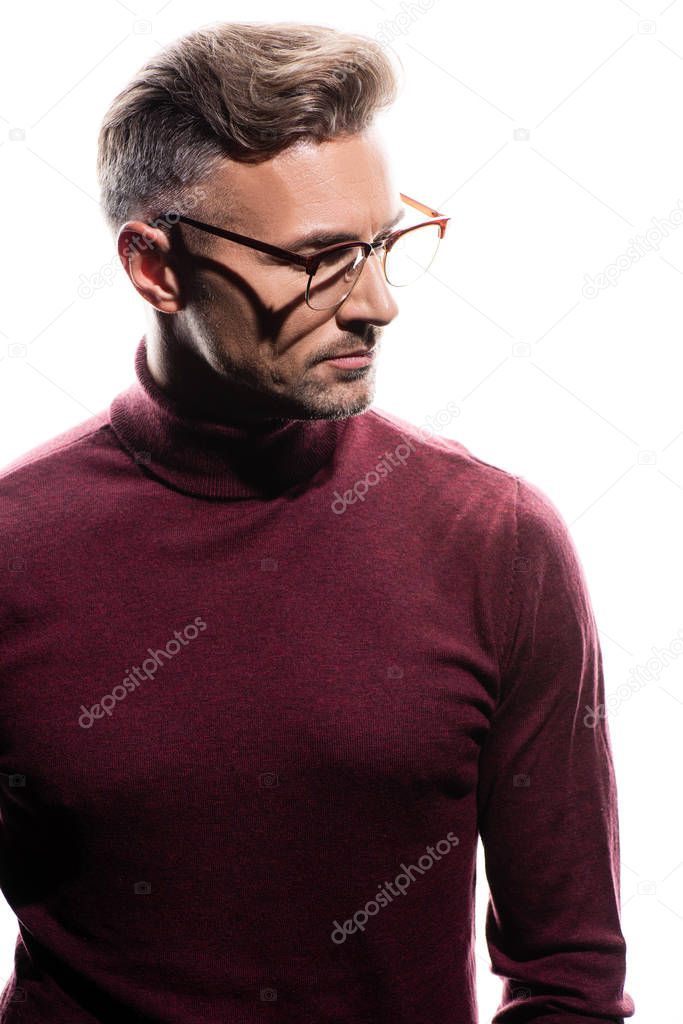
point(547, 797)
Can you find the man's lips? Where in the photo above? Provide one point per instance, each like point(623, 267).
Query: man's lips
point(367, 353)
point(352, 360)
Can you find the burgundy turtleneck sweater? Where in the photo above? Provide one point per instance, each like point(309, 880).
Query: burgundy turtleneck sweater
point(261, 691)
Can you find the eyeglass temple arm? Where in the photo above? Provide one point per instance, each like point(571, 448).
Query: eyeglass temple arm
point(420, 206)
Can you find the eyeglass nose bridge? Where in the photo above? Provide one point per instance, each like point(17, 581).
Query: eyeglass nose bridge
point(370, 247)
point(374, 246)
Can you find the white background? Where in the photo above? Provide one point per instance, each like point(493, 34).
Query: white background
point(551, 134)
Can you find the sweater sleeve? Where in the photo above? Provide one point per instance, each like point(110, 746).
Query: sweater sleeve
point(547, 797)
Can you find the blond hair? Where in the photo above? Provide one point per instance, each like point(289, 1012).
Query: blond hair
point(241, 90)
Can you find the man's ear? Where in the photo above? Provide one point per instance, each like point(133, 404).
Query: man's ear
point(144, 253)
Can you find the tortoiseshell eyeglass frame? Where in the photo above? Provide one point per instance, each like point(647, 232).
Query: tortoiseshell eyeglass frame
point(310, 262)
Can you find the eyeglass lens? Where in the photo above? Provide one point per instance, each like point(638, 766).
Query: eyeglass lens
point(407, 260)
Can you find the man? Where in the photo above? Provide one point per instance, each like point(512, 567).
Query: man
point(265, 680)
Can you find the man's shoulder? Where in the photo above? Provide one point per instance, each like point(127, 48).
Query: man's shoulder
point(439, 458)
point(449, 476)
point(55, 454)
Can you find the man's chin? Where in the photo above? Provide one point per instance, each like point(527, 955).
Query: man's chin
point(334, 408)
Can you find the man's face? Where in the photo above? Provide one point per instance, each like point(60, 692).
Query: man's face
point(245, 313)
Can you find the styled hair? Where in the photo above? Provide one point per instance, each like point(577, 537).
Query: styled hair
point(239, 90)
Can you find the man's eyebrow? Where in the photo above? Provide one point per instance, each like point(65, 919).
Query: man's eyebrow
point(320, 238)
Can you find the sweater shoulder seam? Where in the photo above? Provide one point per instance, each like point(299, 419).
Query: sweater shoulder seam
point(506, 642)
point(460, 450)
point(25, 461)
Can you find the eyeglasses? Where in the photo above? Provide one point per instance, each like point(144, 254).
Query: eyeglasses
point(333, 271)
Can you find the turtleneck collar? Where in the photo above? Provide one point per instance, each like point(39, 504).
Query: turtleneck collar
point(216, 460)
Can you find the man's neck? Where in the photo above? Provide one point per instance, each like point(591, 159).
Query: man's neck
point(187, 379)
